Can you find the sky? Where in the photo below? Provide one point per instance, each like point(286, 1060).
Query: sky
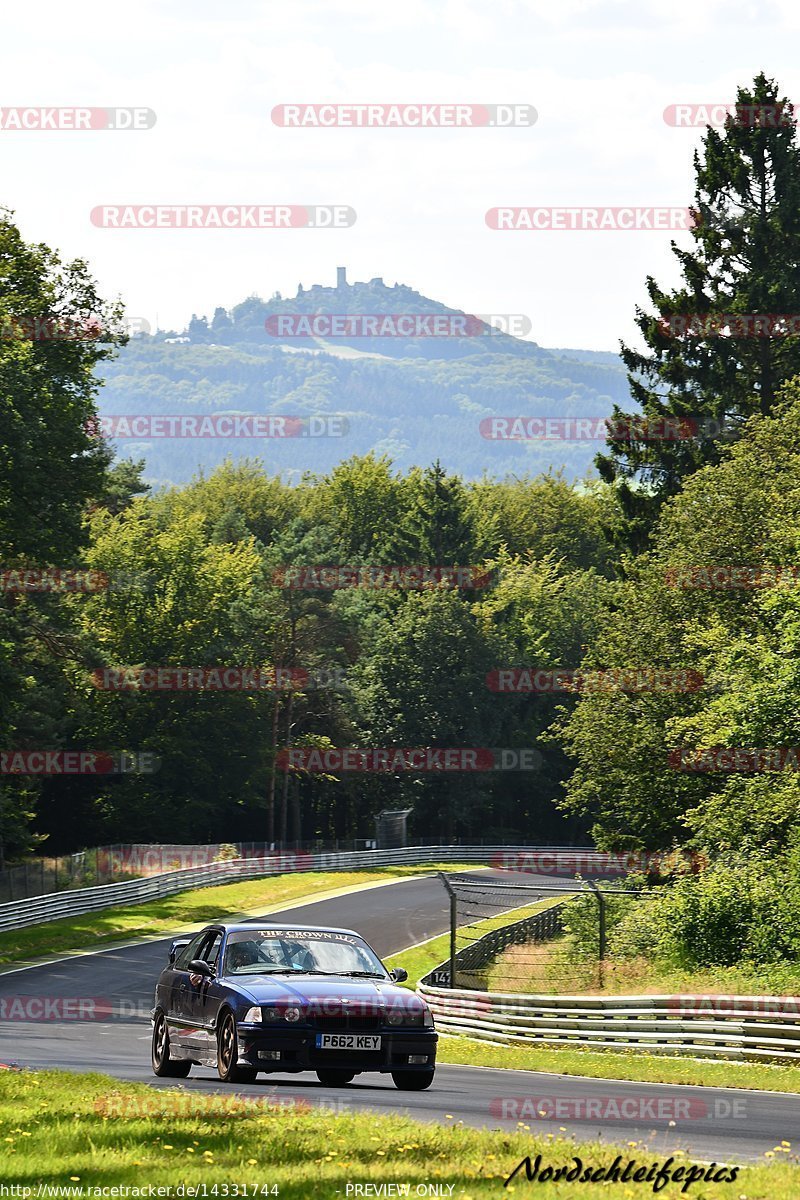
point(599, 73)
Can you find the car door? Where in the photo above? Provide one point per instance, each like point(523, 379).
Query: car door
point(204, 997)
point(179, 1006)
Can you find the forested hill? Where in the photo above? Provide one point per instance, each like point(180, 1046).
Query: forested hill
point(415, 398)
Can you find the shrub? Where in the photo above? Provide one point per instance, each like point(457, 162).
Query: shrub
point(745, 909)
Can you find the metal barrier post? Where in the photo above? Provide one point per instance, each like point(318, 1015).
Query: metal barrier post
point(453, 921)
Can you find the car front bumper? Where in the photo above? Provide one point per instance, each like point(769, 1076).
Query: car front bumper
point(282, 1049)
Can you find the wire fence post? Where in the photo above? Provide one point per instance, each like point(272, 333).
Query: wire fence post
point(601, 930)
point(453, 922)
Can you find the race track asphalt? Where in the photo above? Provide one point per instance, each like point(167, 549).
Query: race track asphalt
point(707, 1123)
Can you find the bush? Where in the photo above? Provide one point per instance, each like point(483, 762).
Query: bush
point(227, 852)
point(742, 910)
point(581, 920)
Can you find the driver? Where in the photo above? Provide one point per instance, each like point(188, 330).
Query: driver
point(243, 954)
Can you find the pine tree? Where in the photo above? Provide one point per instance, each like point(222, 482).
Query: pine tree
point(198, 328)
point(220, 322)
point(440, 528)
point(745, 261)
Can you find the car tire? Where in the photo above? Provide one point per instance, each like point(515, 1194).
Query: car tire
point(334, 1078)
point(228, 1054)
point(163, 1065)
point(412, 1081)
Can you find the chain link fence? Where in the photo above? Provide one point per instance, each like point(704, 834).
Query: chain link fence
point(529, 938)
point(43, 875)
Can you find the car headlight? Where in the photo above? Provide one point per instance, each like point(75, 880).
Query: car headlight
point(416, 1019)
point(261, 1013)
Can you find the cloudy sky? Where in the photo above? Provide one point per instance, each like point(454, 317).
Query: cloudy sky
point(599, 72)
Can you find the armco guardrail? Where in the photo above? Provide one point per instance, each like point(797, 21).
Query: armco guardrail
point(39, 909)
point(738, 1027)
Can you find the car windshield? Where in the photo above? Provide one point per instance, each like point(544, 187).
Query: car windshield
point(285, 951)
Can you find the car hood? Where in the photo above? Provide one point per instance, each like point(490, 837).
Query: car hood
point(269, 989)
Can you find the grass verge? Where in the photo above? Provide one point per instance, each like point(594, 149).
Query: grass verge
point(548, 967)
point(637, 1067)
point(131, 921)
point(422, 959)
point(597, 1064)
point(89, 1131)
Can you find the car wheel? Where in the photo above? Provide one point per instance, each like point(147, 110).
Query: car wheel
point(334, 1078)
point(412, 1081)
point(162, 1063)
point(228, 1054)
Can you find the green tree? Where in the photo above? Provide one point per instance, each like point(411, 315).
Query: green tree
point(174, 610)
point(361, 501)
point(198, 329)
point(741, 641)
point(745, 260)
point(54, 331)
point(439, 528)
point(545, 515)
point(221, 324)
point(51, 463)
point(422, 683)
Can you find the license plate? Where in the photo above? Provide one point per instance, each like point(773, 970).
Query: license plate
point(348, 1041)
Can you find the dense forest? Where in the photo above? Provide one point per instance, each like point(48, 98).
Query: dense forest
point(627, 628)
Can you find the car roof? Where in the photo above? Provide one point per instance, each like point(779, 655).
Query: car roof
point(254, 923)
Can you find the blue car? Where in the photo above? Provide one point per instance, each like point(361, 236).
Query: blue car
point(255, 996)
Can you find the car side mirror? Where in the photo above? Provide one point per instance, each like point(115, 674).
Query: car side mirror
point(176, 948)
point(199, 966)
point(399, 974)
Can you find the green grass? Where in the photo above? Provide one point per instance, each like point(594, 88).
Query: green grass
point(91, 1131)
point(422, 959)
point(547, 968)
point(597, 1064)
point(636, 1066)
point(175, 913)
